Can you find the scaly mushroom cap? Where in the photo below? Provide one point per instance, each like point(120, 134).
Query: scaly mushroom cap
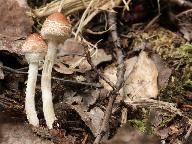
point(56, 27)
point(34, 44)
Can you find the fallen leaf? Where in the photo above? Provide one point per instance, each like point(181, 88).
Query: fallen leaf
point(80, 103)
point(71, 47)
point(15, 25)
point(140, 78)
point(61, 68)
point(164, 72)
point(96, 115)
point(142, 81)
point(75, 63)
point(111, 71)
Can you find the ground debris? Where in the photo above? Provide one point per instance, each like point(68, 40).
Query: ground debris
point(127, 62)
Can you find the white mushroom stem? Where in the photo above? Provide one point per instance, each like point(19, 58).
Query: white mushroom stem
point(48, 109)
point(30, 94)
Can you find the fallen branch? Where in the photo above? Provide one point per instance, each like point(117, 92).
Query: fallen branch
point(120, 75)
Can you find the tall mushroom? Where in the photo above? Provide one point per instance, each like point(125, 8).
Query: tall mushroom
point(35, 49)
point(55, 30)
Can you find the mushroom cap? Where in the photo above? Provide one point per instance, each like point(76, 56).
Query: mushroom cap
point(34, 44)
point(56, 27)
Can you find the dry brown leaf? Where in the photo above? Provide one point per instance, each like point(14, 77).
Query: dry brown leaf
point(142, 81)
point(164, 72)
point(14, 25)
point(111, 71)
point(82, 102)
point(96, 115)
point(71, 64)
point(61, 68)
point(70, 47)
point(140, 78)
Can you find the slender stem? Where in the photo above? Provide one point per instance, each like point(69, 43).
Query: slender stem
point(48, 109)
point(30, 95)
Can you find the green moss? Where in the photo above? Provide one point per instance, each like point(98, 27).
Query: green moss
point(139, 124)
point(186, 50)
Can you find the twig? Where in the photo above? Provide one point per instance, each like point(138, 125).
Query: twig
point(88, 56)
point(188, 132)
point(53, 78)
point(183, 13)
point(156, 17)
point(120, 76)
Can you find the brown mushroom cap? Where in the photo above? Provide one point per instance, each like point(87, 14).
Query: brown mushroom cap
point(56, 27)
point(34, 44)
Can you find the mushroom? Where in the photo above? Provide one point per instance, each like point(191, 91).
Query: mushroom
point(34, 49)
point(55, 30)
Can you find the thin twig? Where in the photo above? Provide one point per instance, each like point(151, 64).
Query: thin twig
point(156, 17)
point(120, 75)
point(88, 56)
point(188, 132)
point(53, 78)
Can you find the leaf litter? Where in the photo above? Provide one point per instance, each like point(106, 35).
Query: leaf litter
point(157, 61)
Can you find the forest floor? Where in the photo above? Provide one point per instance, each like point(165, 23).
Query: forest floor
point(123, 76)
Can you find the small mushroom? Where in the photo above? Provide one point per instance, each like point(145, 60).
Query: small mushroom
point(55, 30)
point(34, 49)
